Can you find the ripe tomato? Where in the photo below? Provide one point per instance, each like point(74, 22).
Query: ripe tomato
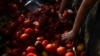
point(69, 54)
point(69, 45)
point(27, 22)
point(21, 18)
point(23, 53)
point(31, 54)
point(58, 36)
point(65, 14)
point(28, 30)
point(40, 38)
point(50, 48)
point(61, 50)
point(18, 33)
point(83, 53)
point(24, 36)
point(14, 6)
point(13, 25)
point(44, 42)
point(36, 23)
point(31, 49)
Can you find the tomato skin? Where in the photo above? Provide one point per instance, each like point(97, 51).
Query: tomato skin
point(69, 54)
point(50, 48)
point(69, 45)
point(24, 36)
point(31, 49)
point(31, 54)
point(18, 33)
point(80, 47)
point(23, 53)
point(83, 53)
point(28, 30)
point(36, 23)
point(44, 42)
point(27, 22)
point(65, 13)
point(39, 38)
point(61, 50)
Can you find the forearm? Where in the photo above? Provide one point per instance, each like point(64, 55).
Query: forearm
point(82, 13)
point(64, 4)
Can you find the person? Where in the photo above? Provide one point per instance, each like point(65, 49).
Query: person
point(88, 12)
point(69, 4)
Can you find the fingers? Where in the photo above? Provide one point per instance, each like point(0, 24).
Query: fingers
point(64, 37)
point(67, 37)
point(60, 15)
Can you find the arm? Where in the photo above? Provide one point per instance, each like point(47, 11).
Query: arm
point(82, 13)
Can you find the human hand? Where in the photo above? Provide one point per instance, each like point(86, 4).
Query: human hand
point(61, 17)
point(65, 16)
point(68, 36)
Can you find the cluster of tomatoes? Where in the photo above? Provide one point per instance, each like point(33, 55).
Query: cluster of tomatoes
point(38, 33)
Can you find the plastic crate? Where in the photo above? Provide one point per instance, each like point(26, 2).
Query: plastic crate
point(33, 5)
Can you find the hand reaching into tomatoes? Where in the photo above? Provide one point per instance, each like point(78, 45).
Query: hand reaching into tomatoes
point(60, 16)
point(68, 36)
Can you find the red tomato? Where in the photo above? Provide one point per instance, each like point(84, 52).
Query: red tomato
point(21, 18)
point(24, 36)
point(50, 48)
point(16, 51)
point(58, 36)
point(13, 25)
point(65, 14)
point(69, 54)
point(27, 22)
point(28, 30)
point(14, 6)
point(23, 53)
point(18, 33)
point(45, 42)
point(40, 38)
point(31, 54)
point(83, 53)
point(36, 23)
point(61, 50)
point(69, 45)
point(30, 49)
point(36, 30)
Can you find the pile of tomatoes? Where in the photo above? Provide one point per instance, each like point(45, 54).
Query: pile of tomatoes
point(38, 33)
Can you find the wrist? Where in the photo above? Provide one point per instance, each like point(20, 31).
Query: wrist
point(74, 31)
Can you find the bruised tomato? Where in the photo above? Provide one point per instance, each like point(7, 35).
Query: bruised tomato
point(61, 50)
point(30, 49)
